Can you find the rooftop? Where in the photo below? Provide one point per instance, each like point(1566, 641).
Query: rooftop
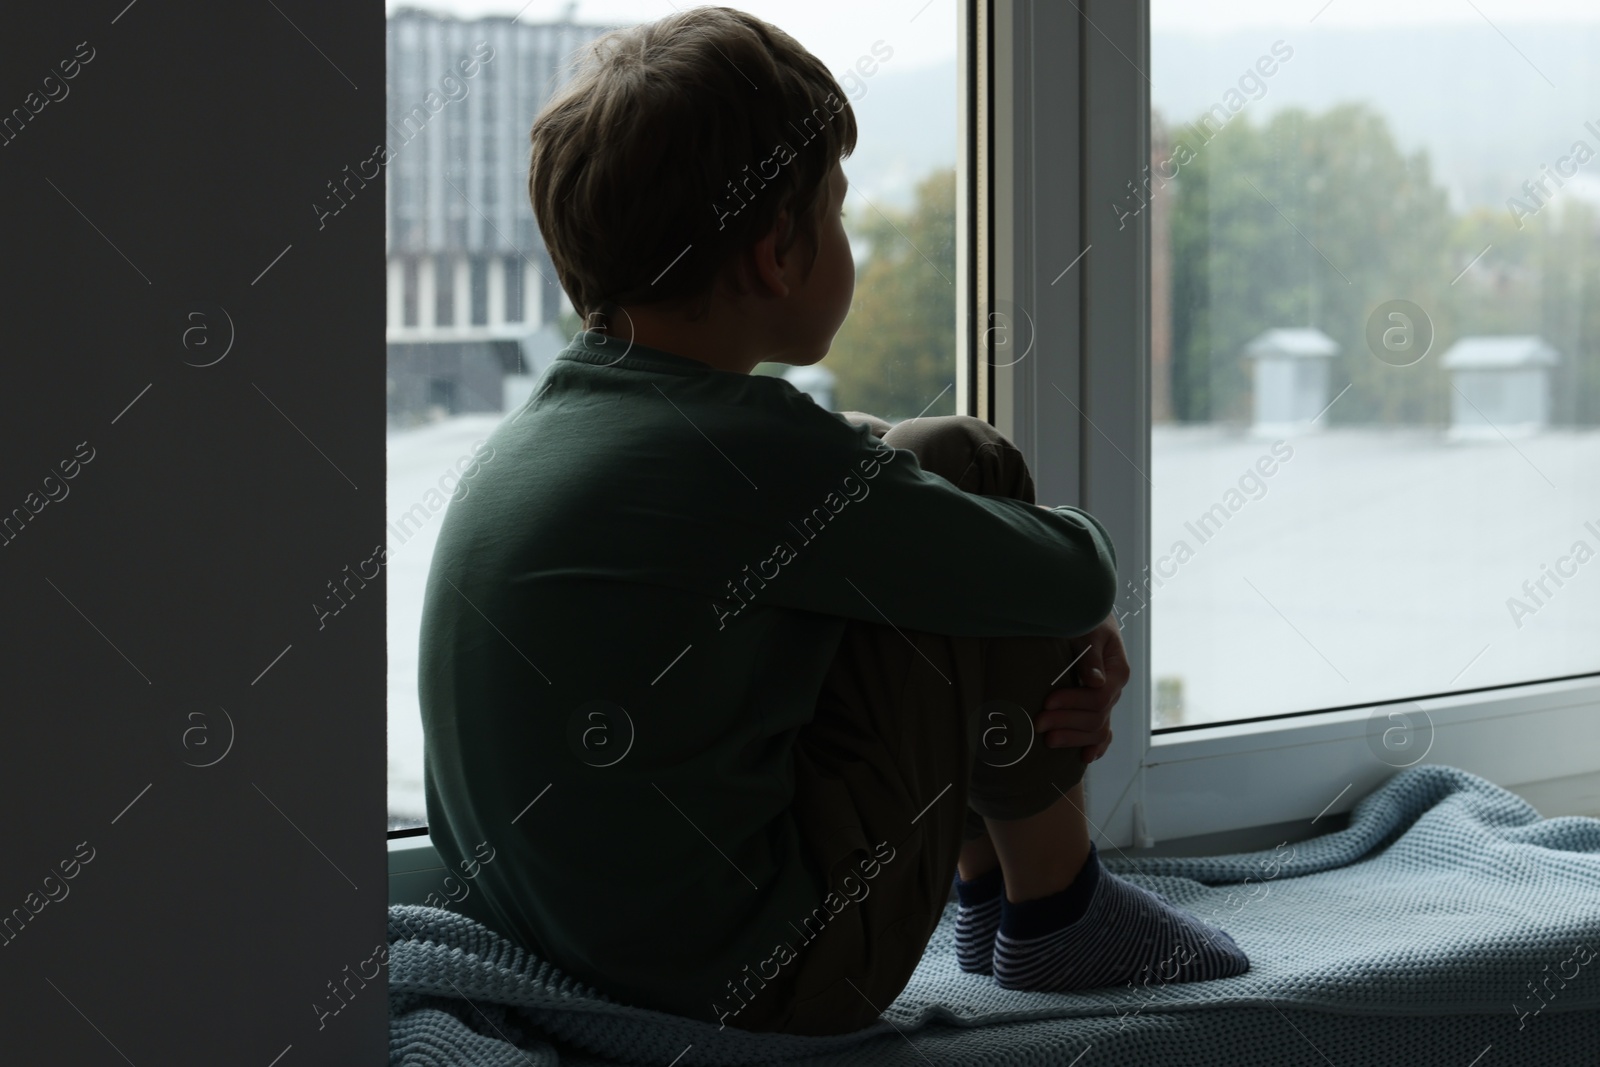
point(1298, 341)
point(1477, 353)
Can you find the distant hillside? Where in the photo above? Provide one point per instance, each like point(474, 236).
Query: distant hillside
point(904, 133)
point(1487, 118)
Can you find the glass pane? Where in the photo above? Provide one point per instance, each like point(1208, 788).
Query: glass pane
point(1375, 351)
point(467, 343)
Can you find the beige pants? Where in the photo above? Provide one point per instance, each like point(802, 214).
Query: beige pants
point(917, 736)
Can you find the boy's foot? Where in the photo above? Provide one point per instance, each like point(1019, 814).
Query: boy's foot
point(977, 919)
point(1103, 930)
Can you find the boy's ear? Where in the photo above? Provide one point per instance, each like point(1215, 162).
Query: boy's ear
point(767, 263)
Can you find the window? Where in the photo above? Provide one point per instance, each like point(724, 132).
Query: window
point(1148, 330)
point(514, 290)
point(480, 290)
point(442, 394)
point(444, 291)
point(409, 286)
point(1177, 324)
point(1314, 198)
point(896, 356)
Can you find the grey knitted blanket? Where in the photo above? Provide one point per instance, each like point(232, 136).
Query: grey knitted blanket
point(1448, 923)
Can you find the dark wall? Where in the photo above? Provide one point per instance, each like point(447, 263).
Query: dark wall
point(192, 419)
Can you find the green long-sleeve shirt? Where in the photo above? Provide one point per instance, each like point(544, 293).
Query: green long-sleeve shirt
point(629, 615)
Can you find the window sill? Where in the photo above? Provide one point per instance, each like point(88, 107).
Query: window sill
point(414, 869)
point(1216, 780)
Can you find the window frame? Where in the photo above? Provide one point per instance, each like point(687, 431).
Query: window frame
point(1062, 138)
point(411, 853)
point(1045, 141)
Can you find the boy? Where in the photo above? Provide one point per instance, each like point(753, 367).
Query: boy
point(686, 655)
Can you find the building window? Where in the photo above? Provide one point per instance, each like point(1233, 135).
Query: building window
point(442, 394)
point(480, 290)
point(514, 289)
point(408, 291)
point(444, 291)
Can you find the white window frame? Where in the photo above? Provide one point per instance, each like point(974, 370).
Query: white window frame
point(1059, 121)
point(1067, 121)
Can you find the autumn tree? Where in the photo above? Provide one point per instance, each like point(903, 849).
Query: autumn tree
point(1307, 220)
point(896, 352)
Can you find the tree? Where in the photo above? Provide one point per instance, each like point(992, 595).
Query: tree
point(1309, 220)
point(1565, 278)
point(896, 352)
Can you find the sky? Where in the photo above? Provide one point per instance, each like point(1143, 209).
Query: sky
point(908, 128)
point(922, 31)
point(1221, 16)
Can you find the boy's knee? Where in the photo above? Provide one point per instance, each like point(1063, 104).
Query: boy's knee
point(948, 428)
point(956, 446)
point(945, 424)
point(878, 426)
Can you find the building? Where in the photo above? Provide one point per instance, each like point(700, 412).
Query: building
point(470, 284)
point(1500, 385)
point(1291, 379)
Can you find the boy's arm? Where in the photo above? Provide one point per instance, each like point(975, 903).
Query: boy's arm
point(886, 541)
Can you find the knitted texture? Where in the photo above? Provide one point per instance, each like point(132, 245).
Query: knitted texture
point(1412, 936)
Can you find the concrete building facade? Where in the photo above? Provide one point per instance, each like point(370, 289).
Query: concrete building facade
point(472, 293)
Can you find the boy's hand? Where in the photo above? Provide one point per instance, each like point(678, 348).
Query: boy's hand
point(1080, 715)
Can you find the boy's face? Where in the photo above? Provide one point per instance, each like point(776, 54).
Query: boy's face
point(822, 300)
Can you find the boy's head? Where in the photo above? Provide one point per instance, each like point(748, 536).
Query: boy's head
point(676, 147)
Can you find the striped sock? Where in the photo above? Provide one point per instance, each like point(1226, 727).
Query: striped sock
point(1103, 930)
point(977, 919)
